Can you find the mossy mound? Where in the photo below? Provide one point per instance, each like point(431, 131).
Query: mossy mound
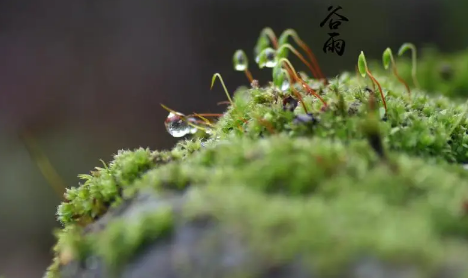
point(285, 199)
point(284, 188)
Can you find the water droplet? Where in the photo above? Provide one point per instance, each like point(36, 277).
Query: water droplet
point(267, 58)
point(285, 85)
point(270, 56)
point(176, 125)
point(240, 60)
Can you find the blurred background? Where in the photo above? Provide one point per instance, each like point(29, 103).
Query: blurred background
point(86, 78)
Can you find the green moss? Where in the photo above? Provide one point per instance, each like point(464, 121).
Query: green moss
point(115, 245)
point(420, 125)
point(70, 246)
point(325, 197)
point(294, 183)
point(123, 238)
point(102, 189)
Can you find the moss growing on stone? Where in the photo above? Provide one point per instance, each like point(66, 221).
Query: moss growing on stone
point(308, 197)
point(121, 239)
point(103, 187)
point(328, 187)
point(114, 245)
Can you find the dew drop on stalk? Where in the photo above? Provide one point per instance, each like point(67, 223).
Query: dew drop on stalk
point(267, 58)
point(240, 60)
point(176, 125)
point(270, 56)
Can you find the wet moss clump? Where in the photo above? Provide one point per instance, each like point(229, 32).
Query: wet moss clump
point(103, 187)
point(114, 245)
point(319, 181)
point(417, 124)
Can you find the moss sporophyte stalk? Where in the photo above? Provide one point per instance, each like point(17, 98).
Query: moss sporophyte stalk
point(330, 172)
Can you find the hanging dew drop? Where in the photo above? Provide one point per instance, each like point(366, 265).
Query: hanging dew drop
point(267, 58)
point(240, 60)
point(270, 56)
point(176, 125)
point(240, 67)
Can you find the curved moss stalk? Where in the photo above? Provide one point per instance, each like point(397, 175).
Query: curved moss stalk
point(358, 76)
point(304, 84)
point(363, 69)
point(387, 58)
point(223, 103)
point(213, 79)
point(268, 32)
point(266, 124)
point(44, 165)
point(204, 115)
point(291, 33)
point(249, 76)
point(282, 54)
point(380, 89)
point(289, 75)
point(266, 37)
point(372, 101)
point(402, 50)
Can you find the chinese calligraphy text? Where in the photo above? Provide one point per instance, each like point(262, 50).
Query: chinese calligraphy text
point(334, 44)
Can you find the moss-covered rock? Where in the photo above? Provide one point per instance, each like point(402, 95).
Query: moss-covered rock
point(284, 186)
